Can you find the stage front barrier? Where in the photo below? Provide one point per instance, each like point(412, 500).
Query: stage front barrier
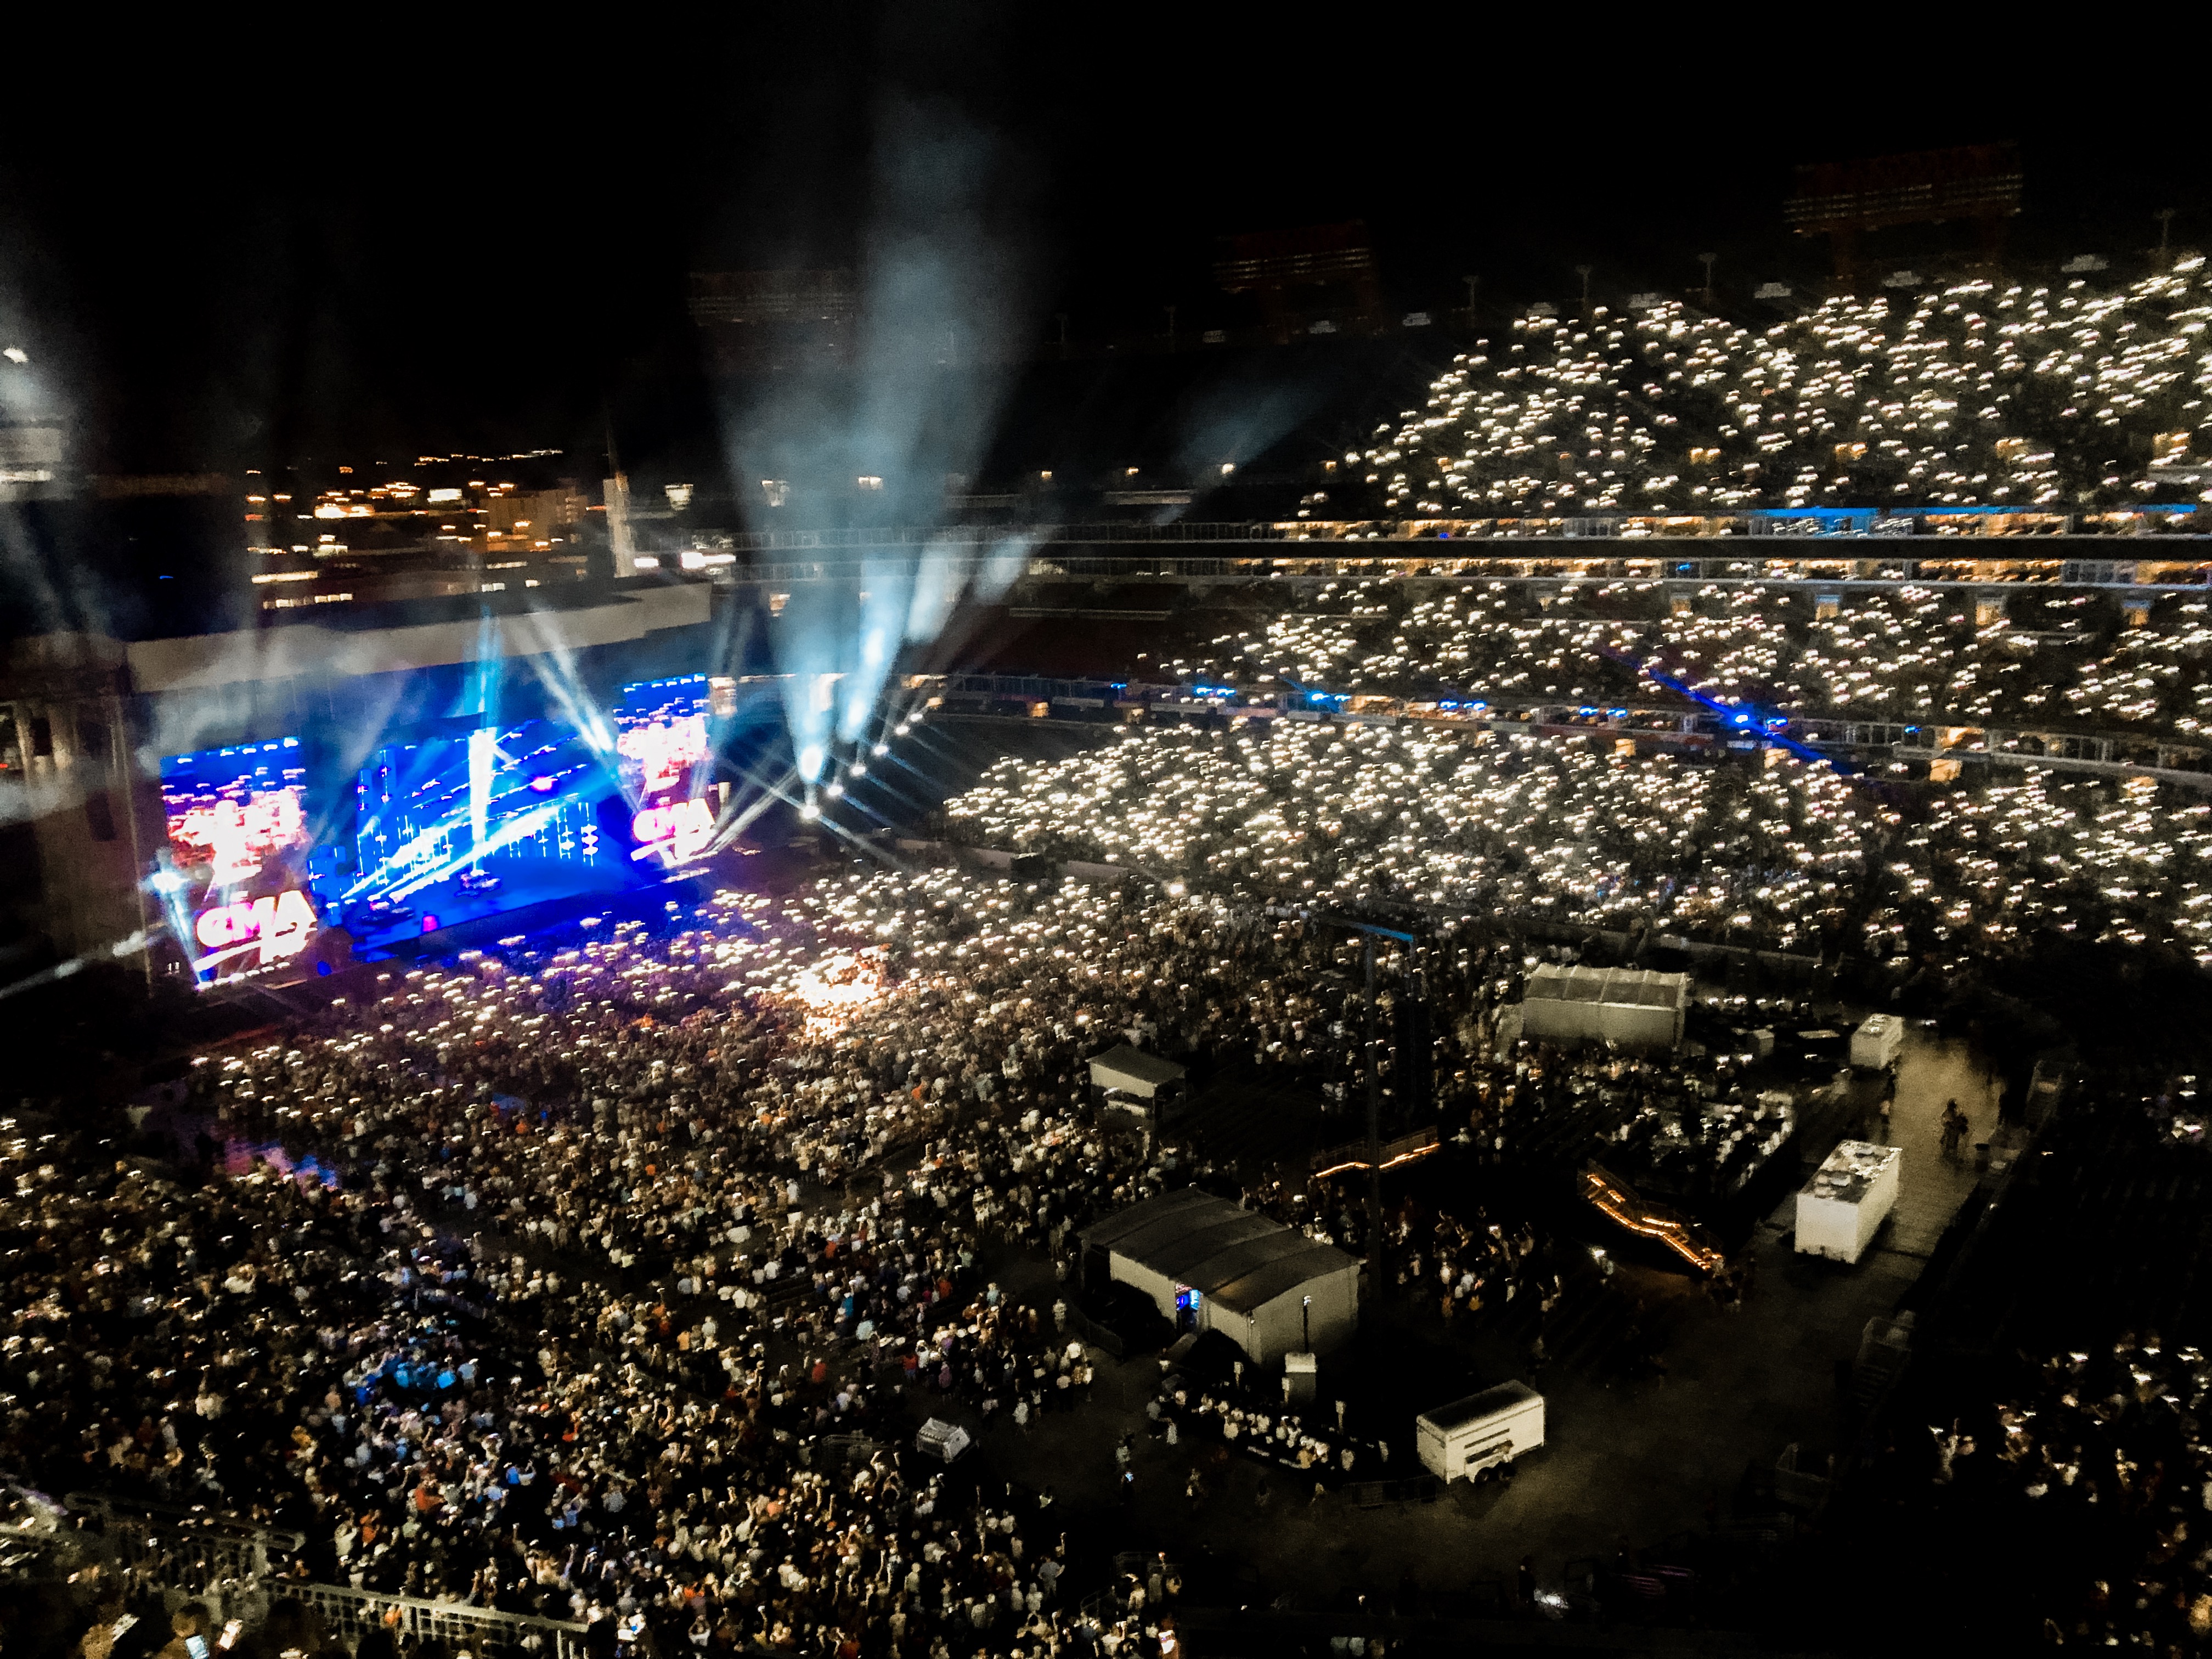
point(350, 1613)
point(183, 1549)
point(238, 1567)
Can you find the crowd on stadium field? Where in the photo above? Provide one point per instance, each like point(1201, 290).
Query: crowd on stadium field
point(442, 1421)
point(393, 1364)
point(2102, 1449)
point(556, 1281)
point(516, 1231)
point(1978, 394)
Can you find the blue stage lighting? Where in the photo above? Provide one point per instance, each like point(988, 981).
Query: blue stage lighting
point(468, 825)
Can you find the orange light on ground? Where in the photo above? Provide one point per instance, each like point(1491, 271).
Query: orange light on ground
point(1618, 1202)
point(1361, 1163)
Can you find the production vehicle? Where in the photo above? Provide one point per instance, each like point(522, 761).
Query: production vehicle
point(1483, 1435)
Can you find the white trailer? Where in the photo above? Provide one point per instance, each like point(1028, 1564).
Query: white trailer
point(941, 1442)
point(1876, 1041)
point(1475, 1438)
point(1843, 1206)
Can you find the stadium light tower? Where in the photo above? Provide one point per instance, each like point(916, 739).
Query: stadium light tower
point(1707, 260)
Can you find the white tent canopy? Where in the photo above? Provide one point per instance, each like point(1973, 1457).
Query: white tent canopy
point(1210, 1265)
point(1617, 1004)
point(1133, 1071)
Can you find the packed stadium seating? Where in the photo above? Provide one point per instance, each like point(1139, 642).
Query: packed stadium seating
point(1985, 393)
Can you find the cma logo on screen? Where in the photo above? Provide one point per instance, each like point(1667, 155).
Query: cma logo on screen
point(278, 926)
point(682, 828)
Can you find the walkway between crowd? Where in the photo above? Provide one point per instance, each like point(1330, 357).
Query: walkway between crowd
point(1933, 1183)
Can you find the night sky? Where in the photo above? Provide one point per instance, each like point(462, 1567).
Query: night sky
point(280, 248)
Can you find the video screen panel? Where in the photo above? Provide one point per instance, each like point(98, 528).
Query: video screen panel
point(455, 827)
point(664, 731)
point(237, 845)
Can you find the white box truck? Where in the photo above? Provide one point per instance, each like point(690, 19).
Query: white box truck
point(1875, 1043)
point(1843, 1206)
point(1475, 1438)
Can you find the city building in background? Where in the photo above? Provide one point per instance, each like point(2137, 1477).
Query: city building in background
point(1316, 280)
point(1847, 201)
point(438, 527)
point(769, 321)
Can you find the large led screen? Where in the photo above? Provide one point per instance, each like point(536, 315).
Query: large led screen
point(236, 877)
point(665, 741)
point(458, 826)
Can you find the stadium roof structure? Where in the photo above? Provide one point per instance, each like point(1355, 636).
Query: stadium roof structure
point(1235, 1257)
point(406, 635)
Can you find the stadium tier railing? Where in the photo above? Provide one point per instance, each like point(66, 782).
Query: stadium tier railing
point(1920, 527)
point(1836, 566)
